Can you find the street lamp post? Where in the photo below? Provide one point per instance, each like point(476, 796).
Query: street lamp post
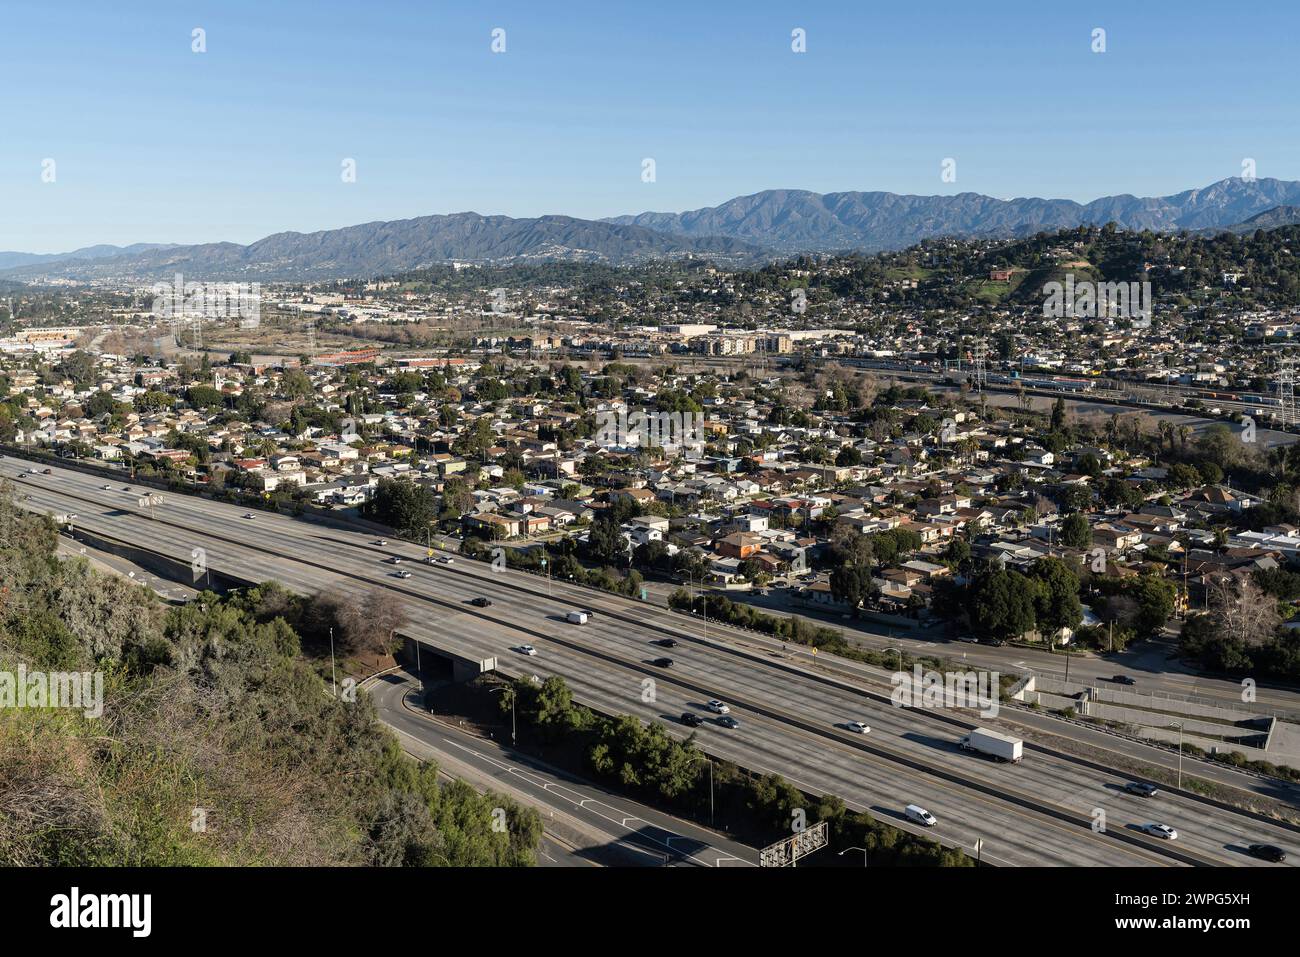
point(709, 762)
point(333, 676)
point(862, 849)
point(1180, 755)
point(514, 696)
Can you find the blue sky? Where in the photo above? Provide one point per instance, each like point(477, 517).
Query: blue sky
point(155, 143)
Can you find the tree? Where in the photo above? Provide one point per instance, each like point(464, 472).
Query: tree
point(1058, 414)
point(456, 499)
point(296, 384)
point(1001, 604)
point(851, 546)
point(852, 584)
point(957, 553)
point(364, 627)
point(405, 505)
point(1056, 602)
point(605, 542)
point(80, 368)
point(204, 397)
point(1242, 613)
point(1075, 531)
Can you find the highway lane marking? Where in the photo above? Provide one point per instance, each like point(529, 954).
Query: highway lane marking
point(976, 787)
point(527, 775)
point(554, 838)
point(578, 647)
point(555, 787)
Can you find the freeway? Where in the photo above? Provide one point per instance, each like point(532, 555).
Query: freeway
point(1153, 664)
point(1039, 812)
point(625, 833)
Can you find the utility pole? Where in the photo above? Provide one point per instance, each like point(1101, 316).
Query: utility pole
point(333, 677)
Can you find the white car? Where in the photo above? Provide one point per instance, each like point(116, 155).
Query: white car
point(1160, 830)
point(394, 560)
point(382, 541)
point(914, 812)
point(717, 707)
point(860, 727)
point(403, 574)
point(528, 650)
point(106, 488)
point(248, 515)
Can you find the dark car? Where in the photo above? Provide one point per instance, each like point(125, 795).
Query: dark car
point(45, 472)
point(993, 642)
point(666, 642)
point(727, 721)
point(480, 602)
point(1124, 680)
point(691, 720)
point(662, 662)
point(1267, 852)
point(1141, 789)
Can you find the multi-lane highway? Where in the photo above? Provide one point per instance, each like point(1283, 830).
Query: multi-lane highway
point(1048, 810)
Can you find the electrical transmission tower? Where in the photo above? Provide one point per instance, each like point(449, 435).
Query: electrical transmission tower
point(979, 370)
point(1286, 366)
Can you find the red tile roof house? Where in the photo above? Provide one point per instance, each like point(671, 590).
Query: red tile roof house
point(738, 545)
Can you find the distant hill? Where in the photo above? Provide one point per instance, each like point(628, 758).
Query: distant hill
point(742, 231)
point(387, 247)
point(9, 260)
point(1273, 218)
point(790, 221)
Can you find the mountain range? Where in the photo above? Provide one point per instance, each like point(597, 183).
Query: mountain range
point(744, 230)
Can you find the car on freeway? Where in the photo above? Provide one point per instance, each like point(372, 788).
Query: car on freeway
point(691, 720)
point(480, 602)
point(528, 650)
point(665, 642)
point(403, 574)
point(1267, 852)
point(445, 560)
point(45, 471)
point(993, 642)
point(126, 488)
point(727, 721)
point(1141, 789)
point(248, 515)
point(382, 541)
point(394, 560)
point(662, 662)
point(860, 727)
point(1124, 680)
point(106, 488)
point(717, 707)
point(969, 639)
point(1162, 831)
point(914, 812)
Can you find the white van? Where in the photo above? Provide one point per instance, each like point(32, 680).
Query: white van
point(576, 617)
point(920, 815)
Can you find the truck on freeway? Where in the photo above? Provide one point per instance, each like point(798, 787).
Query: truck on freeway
point(1001, 747)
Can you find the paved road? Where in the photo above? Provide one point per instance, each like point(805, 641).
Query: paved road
point(625, 832)
point(1154, 663)
point(1039, 812)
